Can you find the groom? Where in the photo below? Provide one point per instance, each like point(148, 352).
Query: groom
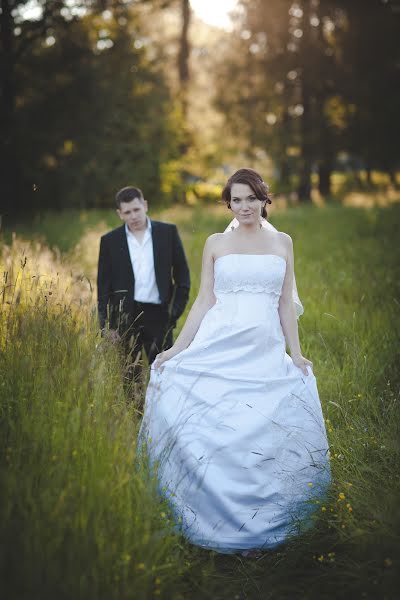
point(143, 279)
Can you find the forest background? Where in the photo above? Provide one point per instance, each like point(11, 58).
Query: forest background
point(96, 95)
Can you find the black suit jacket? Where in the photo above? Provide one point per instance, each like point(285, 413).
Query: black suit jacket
point(116, 280)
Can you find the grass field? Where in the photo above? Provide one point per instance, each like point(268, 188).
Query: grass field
point(79, 514)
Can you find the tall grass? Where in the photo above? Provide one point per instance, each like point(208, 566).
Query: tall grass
point(80, 515)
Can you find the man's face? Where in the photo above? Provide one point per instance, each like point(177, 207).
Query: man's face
point(133, 213)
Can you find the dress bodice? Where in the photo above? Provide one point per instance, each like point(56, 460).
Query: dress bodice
point(254, 273)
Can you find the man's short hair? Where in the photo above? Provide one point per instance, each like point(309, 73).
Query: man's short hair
point(127, 194)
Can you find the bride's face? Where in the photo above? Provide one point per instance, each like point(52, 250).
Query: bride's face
point(245, 205)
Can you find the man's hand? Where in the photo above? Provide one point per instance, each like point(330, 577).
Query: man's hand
point(112, 335)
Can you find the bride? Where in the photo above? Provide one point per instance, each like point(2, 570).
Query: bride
point(232, 424)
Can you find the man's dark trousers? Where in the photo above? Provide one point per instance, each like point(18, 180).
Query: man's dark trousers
point(149, 326)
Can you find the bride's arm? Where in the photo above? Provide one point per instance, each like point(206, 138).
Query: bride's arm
point(204, 301)
point(287, 310)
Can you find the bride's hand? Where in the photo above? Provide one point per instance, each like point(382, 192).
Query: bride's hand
point(163, 357)
point(302, 363)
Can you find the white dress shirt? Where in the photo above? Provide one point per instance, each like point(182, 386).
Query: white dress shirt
point(142, 259)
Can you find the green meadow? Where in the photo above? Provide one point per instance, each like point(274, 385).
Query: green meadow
point(79, 512)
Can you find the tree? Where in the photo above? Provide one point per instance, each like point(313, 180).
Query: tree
point(184, 52)
point(92, 110)
point(370, 59)
point(307, 83)
point(17, 38)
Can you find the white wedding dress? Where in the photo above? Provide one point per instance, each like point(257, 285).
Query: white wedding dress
point(233, 428)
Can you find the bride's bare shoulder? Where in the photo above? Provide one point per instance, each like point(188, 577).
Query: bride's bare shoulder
point(214, 239)
point(213, 242)
point(286, 244)
point(278, 237)
point(285, 239)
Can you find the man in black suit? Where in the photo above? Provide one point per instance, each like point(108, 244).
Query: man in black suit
point(143, 279)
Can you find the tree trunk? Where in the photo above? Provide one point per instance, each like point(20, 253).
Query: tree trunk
point(324, 181)
point(284, 143)
point(184, 76)
point(368, 171)
point(183, 56)
point(393, 178)
point(304, 189)
point(284, 174)
point(8, 156)
point(326, 152)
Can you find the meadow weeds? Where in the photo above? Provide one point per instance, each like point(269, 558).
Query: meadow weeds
point(80, 514)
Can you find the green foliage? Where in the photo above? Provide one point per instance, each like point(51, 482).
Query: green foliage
point(202, 192)
point(80, 514)
point(93, 112)
point(306, 82)
point(91, 98)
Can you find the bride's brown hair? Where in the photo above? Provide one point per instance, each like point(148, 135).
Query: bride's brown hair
point(255, 181)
